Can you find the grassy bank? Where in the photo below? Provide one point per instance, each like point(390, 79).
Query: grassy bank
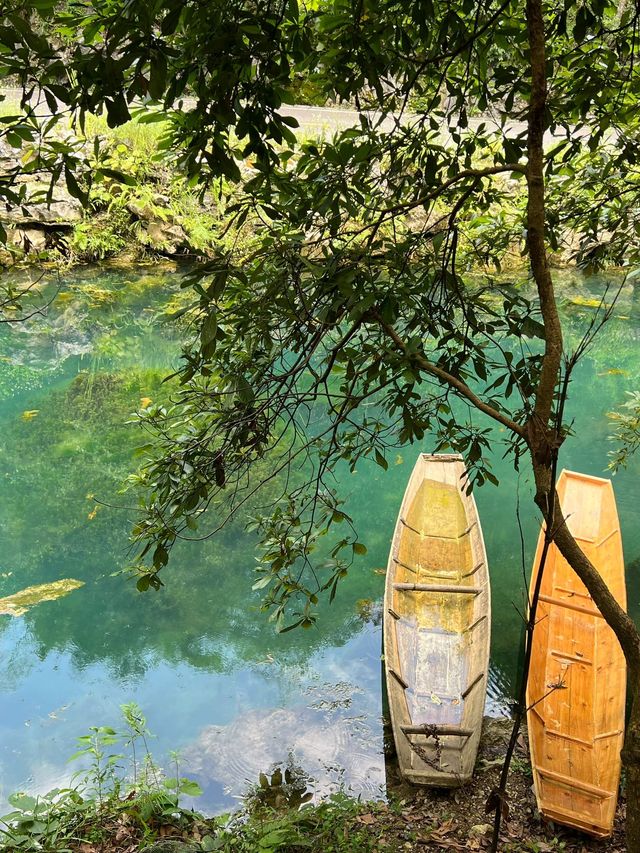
point(140, 205)
point(122, 801)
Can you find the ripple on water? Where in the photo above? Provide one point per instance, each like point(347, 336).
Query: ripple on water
point(337, 751)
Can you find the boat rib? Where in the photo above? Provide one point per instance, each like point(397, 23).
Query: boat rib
point(576, 690)
point(437, 625)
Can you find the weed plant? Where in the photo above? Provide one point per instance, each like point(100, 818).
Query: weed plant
point(119, 794)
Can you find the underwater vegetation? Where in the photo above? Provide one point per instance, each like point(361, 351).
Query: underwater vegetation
point(20, 602)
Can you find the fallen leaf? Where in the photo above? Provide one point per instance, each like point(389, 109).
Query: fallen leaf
point(448, 844)
point(367, 819)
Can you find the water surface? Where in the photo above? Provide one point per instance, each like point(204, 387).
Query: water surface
point(213, 678)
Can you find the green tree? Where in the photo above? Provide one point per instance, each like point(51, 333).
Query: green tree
point(360, 316)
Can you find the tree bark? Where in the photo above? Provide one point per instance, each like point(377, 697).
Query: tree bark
point(631, 761)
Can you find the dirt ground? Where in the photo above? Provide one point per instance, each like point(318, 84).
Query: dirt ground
point(459, 819)
point(414, 819)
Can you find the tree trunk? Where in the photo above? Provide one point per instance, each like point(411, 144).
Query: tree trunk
point(631, 762)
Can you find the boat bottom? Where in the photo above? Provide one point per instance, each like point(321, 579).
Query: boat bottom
point(575, 822)
point(435, 779)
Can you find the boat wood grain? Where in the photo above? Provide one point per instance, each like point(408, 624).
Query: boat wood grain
point(577, 682)
point(437, 625)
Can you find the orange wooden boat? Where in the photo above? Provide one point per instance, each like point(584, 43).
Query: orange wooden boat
point(437, 625)
point(576, 690)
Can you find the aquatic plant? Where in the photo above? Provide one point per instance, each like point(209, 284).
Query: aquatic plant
point(18, 603)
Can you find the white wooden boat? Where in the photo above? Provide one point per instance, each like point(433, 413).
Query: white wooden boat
point(577, 682)
point(437, 616)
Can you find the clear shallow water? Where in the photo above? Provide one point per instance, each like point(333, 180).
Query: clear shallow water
point(207, 669)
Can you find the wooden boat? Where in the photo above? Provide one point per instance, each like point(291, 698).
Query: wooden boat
point(576, 690)
point(437, 625)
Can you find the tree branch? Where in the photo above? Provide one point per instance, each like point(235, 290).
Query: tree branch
point(459, 176)
point(615, 616)
point(455, 383)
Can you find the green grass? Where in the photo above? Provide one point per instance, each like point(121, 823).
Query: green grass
point(122, 797)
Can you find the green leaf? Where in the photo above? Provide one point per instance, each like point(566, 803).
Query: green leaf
point(73, 187)
point(533, 329)
point(158, 76)
point(209, 843)
point(22, 801)
point(117, 110)
point(209, 328)
point(160, 556)
point(190, 788)
point(244, 390)
point(359, 548)
point(381, 461)
point(117, 175)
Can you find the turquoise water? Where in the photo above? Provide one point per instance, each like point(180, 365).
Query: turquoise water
point(213, 678)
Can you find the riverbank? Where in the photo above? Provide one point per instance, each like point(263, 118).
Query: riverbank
point(274, 818)
point(133, 201)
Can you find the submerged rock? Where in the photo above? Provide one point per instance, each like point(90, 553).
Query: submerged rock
point(19, 602)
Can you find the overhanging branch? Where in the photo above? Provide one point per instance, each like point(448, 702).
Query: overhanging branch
point(452, 381)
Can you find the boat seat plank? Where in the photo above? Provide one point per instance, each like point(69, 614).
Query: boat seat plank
point(565, 736)
point(575, 658)
point(431, 572)
point(475, 624)
point(608, 536)
point(475, 569)
point(435, 730)
point(561, 602)
point(435, 587)
point(398, 678)
point(571, 782)
point(472, 684)
point(428, 535)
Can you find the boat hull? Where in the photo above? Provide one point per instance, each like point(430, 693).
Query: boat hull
point(577, 682)
point(437, 626)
